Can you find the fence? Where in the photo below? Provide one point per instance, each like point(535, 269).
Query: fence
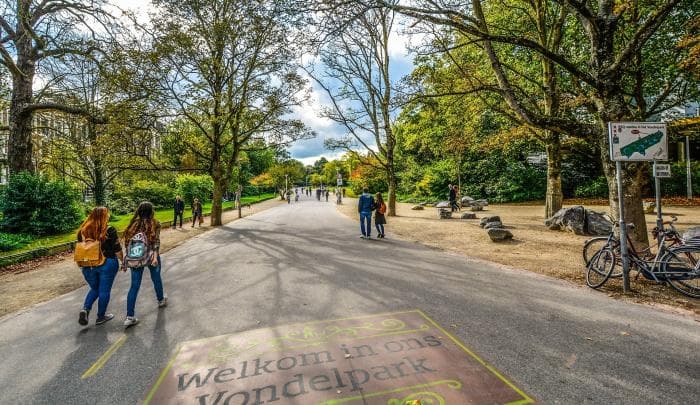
point(68, 246)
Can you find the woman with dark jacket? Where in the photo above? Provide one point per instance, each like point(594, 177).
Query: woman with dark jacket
point(379, 219)
point(100, 278)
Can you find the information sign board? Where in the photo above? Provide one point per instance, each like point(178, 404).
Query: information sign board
point(662, 170)
point(638, 141)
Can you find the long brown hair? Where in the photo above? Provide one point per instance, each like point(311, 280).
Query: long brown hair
point(142, 221)
point(379, 198)
point(95, 225)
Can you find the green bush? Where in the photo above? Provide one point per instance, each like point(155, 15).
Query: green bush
point(11, 241)
point(190, 187)
point(33, 204)
point(596, 188)
point(676, 185)
point(121, 205)
point(519, 182)
point(160, 195)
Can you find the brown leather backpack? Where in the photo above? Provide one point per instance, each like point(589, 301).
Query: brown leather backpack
point(88, 253)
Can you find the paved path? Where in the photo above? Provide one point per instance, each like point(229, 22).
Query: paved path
point(304, 262)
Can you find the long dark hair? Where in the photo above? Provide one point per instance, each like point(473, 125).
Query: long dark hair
point(379, 199)
point(142, 221)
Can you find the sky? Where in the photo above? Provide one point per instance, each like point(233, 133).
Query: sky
point(310, 150)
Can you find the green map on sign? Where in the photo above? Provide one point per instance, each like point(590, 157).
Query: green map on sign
point(642, 144)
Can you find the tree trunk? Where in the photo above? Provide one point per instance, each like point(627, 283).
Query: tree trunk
point(554, 196)
point(20, 141)
point(219, 186)
point(99, 188)
point(391, 181)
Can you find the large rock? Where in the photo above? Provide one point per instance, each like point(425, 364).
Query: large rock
point(443, 204)
point(483, 203)
point(469, 215)
point(499, 234)
point(445, 213)
point(466, 200)
point(486, 220)
point(476, 208)
point(580, 221)
point(492, 225)
point(417, 208)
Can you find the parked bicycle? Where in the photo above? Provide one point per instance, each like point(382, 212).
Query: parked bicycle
point(677, 263)
point(592, 246)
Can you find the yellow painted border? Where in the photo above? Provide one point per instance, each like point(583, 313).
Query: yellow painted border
point(161, 377)
point(526, 399)
point(104, 358)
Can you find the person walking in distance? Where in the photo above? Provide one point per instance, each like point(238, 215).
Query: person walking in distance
point(379, 218)
point(197, 213)
point(142, 239)
point(365, 205)
point(453, 198)
point(328, 192)
point(100, 277)
point(178, 210)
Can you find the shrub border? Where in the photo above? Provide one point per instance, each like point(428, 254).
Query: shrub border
point(69, 246)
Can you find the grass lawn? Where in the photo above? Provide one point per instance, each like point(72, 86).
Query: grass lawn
point(120, 222)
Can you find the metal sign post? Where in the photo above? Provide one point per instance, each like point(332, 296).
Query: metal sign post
point(660, 170)
point(623, 230)
point(635, 141)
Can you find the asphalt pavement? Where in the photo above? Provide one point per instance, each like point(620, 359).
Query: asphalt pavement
point(301, 262)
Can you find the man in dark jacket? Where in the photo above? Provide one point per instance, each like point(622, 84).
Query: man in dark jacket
point(453, 198)
point(365, 206)
point(178, 210)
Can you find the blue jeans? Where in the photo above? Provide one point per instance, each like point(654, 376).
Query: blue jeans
point(366, 223)
point(100, 280)
point(136, 276)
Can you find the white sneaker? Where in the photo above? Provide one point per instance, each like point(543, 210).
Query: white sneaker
point(163, 303)
point(130, 321)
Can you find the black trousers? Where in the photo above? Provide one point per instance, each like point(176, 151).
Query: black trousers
point(177, 214)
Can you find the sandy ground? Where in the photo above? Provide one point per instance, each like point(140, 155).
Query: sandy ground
point(534, 248)
point(48, 278)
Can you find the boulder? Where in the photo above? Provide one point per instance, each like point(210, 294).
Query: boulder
point(492, 225)
point(443, 204)
point(466, 200)
point(486, 220)
point(445, 213)
point(649, 207)
point(476, 208)
point(580, 221)
point(469, 215)
point(417, 208)
point(499, 234)
point(483, 203)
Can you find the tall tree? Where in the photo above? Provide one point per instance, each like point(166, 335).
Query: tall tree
point(33, 32)
point(614, 56)
point(227, 68)
point(357, 78)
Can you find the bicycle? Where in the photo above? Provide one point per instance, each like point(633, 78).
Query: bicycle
point(593, 245)
point(679, 266)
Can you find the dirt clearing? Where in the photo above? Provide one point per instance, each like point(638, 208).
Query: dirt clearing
point(534, 248)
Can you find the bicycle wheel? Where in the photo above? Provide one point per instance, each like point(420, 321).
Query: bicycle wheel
point(592, 246)
point(681, 268)
point(600, 268)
